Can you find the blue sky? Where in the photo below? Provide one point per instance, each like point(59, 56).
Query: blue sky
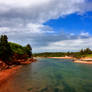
point(48, 25)
point(72, 23)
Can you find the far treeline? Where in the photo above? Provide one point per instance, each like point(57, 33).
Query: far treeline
point(80, 54)
point(10, 52)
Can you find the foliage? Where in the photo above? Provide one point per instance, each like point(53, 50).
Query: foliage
point(81, 53)
point(28, 50)
point(9, 50)
point(16, 48)
point(5, 49)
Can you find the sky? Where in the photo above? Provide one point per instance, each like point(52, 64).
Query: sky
point(48, 25)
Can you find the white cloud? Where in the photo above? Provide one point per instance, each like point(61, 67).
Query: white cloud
point(39, 28)
point(84, 34)
point(22, 20)
point(40, 10)
point(30, 28)
point(22, 3)
point(69, 45)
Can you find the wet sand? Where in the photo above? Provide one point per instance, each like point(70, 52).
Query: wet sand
point(6, 74)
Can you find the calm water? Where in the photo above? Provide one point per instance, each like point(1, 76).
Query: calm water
point(51, 75)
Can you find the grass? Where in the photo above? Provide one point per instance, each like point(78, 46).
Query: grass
point(89, 55)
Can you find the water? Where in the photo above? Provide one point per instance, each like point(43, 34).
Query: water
point(51, 75)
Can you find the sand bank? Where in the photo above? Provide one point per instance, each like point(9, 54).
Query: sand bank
point(62, 57)
point(83, 62)
point(6, 74)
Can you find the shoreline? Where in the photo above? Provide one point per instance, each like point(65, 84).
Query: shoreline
point(83, 61)
point(6, 74)
point(62, 57)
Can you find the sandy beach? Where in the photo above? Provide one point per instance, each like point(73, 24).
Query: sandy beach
point(83, 61)
point(62, 57)
point(6, 74)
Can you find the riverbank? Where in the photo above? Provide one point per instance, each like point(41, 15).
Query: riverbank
point(85, 60)
point(6, 74)
point(62, 57)
point(82, 60)
point(28, 61)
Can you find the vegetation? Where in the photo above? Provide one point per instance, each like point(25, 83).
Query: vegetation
point(18, 49)
point(81, 53)
point(5, 49)
point(11, 51)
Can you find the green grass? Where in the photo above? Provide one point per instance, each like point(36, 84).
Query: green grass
point(89, 55)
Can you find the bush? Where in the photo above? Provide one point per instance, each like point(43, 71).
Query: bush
point(9, 50)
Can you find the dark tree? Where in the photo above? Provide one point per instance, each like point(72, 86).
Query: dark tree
point(5, 50)
point(87, 51)
point(29, 50)
point(82, 52)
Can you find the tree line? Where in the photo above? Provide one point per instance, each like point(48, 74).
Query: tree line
point(81, 53)
point(12, 51)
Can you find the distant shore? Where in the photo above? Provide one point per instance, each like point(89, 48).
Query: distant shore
point(62, 57)
point(82, 61)
point(85, 60)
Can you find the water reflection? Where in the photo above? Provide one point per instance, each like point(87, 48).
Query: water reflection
point(51, 75)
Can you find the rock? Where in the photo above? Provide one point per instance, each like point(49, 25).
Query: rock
point(3, 65)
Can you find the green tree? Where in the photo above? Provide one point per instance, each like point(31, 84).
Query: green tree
point(28, 49)
point(87, 51)
point(81, 51)
point(5, 50)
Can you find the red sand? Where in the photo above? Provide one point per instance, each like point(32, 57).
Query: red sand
point(6, 74)
point(62, 57)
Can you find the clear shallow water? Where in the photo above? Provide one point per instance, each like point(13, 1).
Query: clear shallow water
point(51, 75)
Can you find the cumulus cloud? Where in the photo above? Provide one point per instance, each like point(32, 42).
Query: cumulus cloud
point(69, 45)
point(22, 20)
point(84, 34)
point(39, 11)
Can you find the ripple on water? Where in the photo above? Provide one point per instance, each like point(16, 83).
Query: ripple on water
point(44, 90)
